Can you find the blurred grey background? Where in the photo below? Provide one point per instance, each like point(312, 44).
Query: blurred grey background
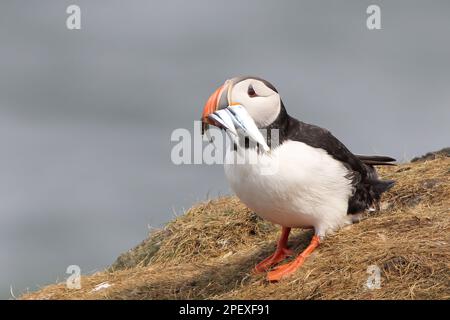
point(86, 116)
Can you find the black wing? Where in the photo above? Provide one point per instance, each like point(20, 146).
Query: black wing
point(318, 137)
point(367, 187)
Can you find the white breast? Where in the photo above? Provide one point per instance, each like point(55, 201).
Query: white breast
point(293, 186)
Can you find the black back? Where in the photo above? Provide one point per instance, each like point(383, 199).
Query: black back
point(367, 187)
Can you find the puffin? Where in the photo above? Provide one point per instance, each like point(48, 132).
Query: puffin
point(307, 179)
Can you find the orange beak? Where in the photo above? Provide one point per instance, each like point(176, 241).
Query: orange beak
point(220, 99)
point(211, 105)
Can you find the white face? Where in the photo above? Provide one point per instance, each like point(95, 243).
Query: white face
point(262, 103)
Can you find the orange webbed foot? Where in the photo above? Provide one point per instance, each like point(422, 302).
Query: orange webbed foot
point(278, 256)
point(285, 270)
point(288, 269)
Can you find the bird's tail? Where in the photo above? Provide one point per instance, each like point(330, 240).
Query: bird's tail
point(376, 160)
point(381, 186)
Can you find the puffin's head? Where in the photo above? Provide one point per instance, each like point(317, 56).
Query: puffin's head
point(256, 95)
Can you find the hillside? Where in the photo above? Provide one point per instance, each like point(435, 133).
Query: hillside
point(208, 252)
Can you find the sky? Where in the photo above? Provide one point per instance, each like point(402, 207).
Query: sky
point(86, 115)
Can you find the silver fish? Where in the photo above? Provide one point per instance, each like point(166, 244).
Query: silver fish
point(224, 118)
point(244, 121)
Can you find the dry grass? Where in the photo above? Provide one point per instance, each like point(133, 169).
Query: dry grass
point(208, 252)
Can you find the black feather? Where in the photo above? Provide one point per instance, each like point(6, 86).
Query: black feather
point(377, 163)
point(367, 188)
point(375, 158)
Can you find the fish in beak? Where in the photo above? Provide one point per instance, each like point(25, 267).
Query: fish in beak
point(229, 116)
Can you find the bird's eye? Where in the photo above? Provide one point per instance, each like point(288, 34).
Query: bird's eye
point(251, 92)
